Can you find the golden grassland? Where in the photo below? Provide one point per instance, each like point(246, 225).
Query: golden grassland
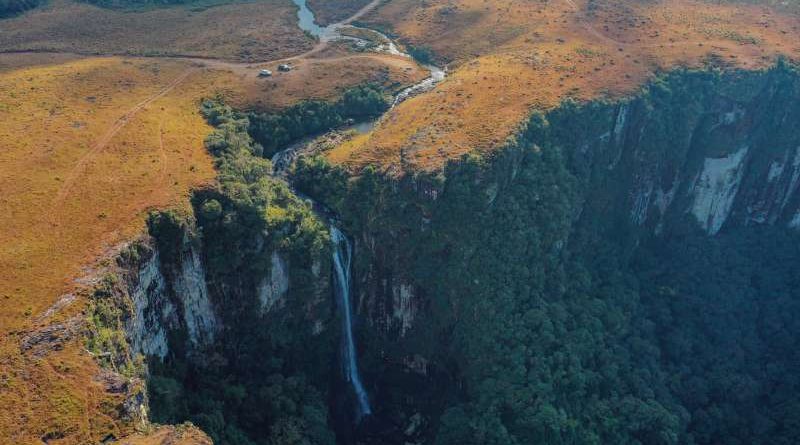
point(88, 147)
point(323, 77)
point(169, 435)
point(252, 31)
point(508, 57)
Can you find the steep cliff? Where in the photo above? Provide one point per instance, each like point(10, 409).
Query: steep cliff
point(621, 272)
point(530, 282)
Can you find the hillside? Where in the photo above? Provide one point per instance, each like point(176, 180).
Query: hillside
point(92, 144)
point(438, 222)
point(328, 12)
point(508, 57)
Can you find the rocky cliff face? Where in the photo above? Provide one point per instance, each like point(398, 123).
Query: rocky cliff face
point(706, 149)
point(154, 312)
point(166, 299)
point(438, 258)
point(387, 299)
point(729, 158)
point(175, 298)
point(694, 152)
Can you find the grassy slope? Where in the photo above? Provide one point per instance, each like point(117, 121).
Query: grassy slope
point(323, 77)
point(68, 199)
point(511, 56)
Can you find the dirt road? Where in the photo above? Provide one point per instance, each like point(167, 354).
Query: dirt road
point(118, 125)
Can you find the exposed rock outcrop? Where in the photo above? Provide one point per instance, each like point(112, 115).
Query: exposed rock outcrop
point(191, 290)
point(273, 288)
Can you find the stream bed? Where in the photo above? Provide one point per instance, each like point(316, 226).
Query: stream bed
point(342, 252)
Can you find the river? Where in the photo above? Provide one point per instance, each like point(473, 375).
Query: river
point(307, 23)
point(342, 249)
point(283, 159)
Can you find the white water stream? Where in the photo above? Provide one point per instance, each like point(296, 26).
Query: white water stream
point(342, 253)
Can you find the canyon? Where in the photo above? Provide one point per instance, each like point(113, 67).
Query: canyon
point(697, 157)
point(557, 223)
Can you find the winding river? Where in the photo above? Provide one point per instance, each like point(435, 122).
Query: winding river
point(342, 249)
point(307, 23)
point(283, 159)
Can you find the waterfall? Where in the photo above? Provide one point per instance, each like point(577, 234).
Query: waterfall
point(342, 254)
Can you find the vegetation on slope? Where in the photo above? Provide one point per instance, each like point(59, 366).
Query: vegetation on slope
point(507, 57)
point(275, 131)
point(557, 320)
point(243, 31)
point(239, 397)
point(260, 382)
point(76, 182)
point(328, 12)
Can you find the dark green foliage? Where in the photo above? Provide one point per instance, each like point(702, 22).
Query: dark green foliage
point(319, 179)
point(275, 131)
point(422, 54)
point(362, 102)
point(168, 228)
point(211, 210)
point(255, 385)
point(267, 409)
point(726, 316)
point(9, 8)
point(558, 319)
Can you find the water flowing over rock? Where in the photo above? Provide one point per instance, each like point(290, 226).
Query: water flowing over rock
point(342, 256)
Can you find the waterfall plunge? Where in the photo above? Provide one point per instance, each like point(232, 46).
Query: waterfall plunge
point(342, 255)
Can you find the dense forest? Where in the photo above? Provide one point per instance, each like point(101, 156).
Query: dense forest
point(550, 317)
point(275, 131)
point(548, 314)
point(240, 395)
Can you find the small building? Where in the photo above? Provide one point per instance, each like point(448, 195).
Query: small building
point(265, 73)
point(284, 67)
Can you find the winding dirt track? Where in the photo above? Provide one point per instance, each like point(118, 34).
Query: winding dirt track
point(120, 123)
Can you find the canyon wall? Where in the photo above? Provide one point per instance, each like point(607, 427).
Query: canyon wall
point(524, 281)
point(446, 264)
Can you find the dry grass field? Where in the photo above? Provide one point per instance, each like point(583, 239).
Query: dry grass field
point(508, 57)
point(88, 146)
point(258, 30)
point(322, 77)
point(169, 435)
